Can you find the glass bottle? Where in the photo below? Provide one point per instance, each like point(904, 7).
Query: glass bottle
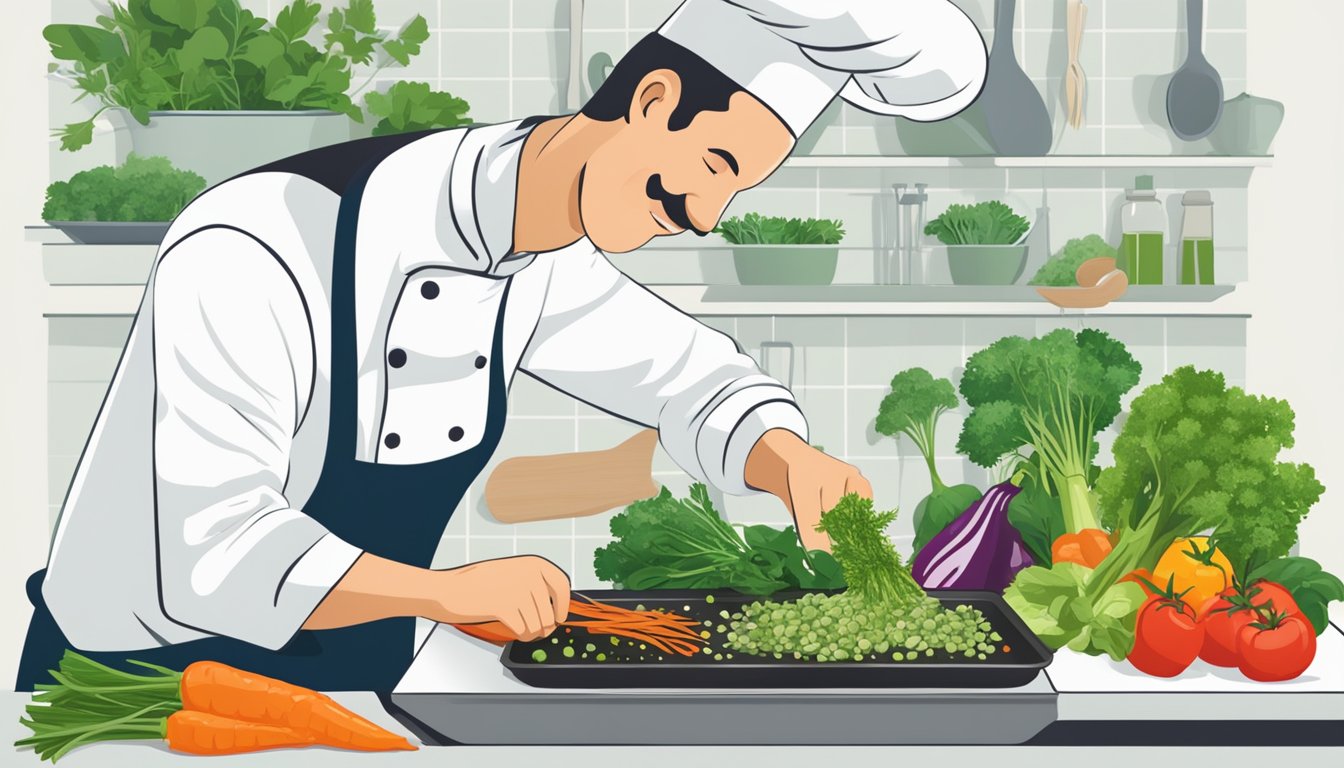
point(1143, 224)
point(1196, 238)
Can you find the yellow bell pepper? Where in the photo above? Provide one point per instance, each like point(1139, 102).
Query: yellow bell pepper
point(1197, 570)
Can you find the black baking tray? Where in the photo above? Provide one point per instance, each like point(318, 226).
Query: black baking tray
point(1026, 656)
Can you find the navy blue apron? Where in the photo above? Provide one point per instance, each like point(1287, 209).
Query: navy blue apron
point(396, 511)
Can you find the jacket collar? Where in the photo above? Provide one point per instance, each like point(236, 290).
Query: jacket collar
point(448, 201)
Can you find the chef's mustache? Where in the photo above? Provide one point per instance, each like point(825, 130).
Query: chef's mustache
point(675, 205)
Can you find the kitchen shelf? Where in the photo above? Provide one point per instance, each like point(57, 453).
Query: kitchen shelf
point(701, 300)
point(1047, 161)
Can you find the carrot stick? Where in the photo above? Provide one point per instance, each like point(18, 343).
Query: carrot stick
point(667, 631)
point(218, 689)
point(201, 733)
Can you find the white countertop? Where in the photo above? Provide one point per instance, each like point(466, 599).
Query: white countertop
point(147, 755)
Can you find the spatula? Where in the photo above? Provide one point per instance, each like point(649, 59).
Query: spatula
point(1015, 113)
point(1195, 95)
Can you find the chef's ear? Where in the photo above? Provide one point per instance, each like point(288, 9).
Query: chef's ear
point(657, 96)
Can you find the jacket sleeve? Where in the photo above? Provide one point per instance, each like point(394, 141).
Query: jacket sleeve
point(233, 359)
point(610, 342)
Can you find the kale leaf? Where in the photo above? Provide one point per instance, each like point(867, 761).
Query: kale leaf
point(670, 543)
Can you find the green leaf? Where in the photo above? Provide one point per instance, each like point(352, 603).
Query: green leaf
point(937, 511)
point(297, 19)
point(206, 44)
point(407, 42)
point(76, 135)
point(260, 51)
point(1053, 603)
point(90, 45)
point(189, 15)
point(1312, 588)
point(358, 47)
point(1038, 517)
point(94, 83)
point(360, 16)
point(413, 106)
point(289, 89)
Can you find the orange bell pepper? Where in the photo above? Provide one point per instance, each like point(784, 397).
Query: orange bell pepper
point(1087, 547)
point(1197, 570)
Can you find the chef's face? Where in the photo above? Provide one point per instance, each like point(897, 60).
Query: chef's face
point(648, 181)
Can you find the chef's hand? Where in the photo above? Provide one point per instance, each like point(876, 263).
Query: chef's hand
point(808, 481)
point(527, 594)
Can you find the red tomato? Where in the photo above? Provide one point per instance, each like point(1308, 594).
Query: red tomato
point(1279, 653)
point(1167, 639)
point(1222, 624)
point(1262, 592)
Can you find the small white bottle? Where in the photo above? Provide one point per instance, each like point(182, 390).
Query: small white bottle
point(1196, 255)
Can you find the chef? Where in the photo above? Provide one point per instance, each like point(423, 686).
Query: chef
point(319, 367)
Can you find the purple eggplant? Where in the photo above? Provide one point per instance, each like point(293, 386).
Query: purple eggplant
point(979, 550)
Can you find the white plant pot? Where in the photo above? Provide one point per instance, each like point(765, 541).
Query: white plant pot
point(219, 144)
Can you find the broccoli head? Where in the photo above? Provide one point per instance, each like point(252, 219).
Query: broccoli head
point(1052, 394)
point(916, 402)
point(1196, 454)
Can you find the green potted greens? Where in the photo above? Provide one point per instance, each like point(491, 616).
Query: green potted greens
point(985, 242)
point(218, 90)
point(129, 204)
point(773, 250)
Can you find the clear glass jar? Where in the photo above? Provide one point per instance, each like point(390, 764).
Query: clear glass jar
point(1143, 224)
point(1196, 265)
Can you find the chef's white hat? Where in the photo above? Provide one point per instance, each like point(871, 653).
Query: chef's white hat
point(921, 59)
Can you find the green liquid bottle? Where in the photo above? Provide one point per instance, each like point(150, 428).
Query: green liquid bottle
point(1142, 247)
point(1141, 256)
point(1197, 238)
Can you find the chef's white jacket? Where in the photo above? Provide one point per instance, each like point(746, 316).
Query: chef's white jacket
point(185, 517)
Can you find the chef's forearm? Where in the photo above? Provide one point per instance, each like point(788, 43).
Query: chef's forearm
point(767, 466)
point(375, 588)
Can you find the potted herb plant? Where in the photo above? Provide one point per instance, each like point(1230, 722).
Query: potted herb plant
point(218, 89)
point(129, 204)
point(774, 250)
point(985, 242)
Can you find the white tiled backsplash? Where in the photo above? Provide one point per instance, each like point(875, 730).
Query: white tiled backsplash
point(509, 60)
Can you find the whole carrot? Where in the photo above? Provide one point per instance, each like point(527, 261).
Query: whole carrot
point(201, 733)
point(218, 689)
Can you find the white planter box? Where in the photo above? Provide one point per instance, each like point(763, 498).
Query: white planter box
point(220, 144)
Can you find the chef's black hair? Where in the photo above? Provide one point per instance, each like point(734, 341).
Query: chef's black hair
point(703, 86)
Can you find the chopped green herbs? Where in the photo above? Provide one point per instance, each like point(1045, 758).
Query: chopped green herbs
point(755, 229)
